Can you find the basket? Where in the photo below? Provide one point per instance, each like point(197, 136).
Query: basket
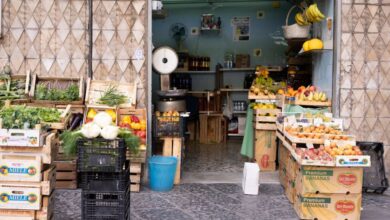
point(101, 155)
point(104, 182)
point(168, 126)
point(105, 205)
point(295, 30)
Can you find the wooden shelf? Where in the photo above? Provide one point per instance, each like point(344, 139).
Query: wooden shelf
point(311, 52)
point(159, 14)
point(195, 72)
point(239, 112)
point(294, 45)
point(216, 30)
point(236, 135)
point(234, 90)
point(249, 69)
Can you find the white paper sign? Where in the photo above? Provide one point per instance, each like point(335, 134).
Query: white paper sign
point(138, 54)
point(291, 119)
point(318, 121)
point(309, 145)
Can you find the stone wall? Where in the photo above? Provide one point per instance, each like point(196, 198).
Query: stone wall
point(51, 38)
point(364, 85)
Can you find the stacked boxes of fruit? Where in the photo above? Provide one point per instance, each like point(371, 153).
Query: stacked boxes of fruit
point(264, 118)
point(322, 170)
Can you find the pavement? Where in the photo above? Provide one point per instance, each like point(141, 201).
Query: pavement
point(212, 201)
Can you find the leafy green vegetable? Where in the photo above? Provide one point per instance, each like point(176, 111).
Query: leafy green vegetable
point(20, 117)
point(44, 93)
point(112, 97)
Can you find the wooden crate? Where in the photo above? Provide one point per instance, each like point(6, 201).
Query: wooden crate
point(66, 175)
point(212, 128)
point(265, 149)
point(96, 88)
point(45, 213)
point(135, 176)
point(173, 147)
point(20, 168)
point(252, 96)
point(264, 126)
point(27, 79)
point(99, 108)
point(139, 157)
point(47, 152)
point(57, 82)
point(260, 115)
point(140, 114)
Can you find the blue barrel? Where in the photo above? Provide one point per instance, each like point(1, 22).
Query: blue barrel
point(162, 172)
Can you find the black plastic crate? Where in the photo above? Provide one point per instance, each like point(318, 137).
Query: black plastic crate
point(113, 205)
point(374, 177)
point(168, 126)
point(115, 181)
point(101, 155)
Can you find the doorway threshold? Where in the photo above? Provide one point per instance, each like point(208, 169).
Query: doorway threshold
point(226, 177)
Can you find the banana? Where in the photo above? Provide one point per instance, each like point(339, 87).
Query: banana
point(318, 12)
point(300, 19)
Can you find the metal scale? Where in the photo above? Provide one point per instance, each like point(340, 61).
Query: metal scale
point(165, 61)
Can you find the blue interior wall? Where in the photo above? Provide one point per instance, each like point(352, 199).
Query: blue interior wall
point(216, 45)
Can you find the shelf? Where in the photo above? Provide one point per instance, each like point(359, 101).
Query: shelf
point(295, 45)
point(239, 112)
point(217, 30)
point(234, 90)
point(249, 69)
point(195, 72)
point(159, 14)
point(311, 52)
point(236, 135)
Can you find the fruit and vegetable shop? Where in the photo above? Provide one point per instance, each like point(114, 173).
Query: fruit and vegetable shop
point(164, 109)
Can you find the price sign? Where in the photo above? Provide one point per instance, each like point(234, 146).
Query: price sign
point(291, 119)
point(318, 121)
point(339, 122)
point(309, 145)
point(328, 114)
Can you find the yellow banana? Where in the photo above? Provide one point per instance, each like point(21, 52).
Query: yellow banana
point(317, 12)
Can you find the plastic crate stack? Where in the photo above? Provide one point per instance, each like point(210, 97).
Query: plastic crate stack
point(104, 179)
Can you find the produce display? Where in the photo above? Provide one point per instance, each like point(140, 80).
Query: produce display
point(321, 129)
point(316, 154)
point(313, 44)
point(112, 97)
point(309, 93)
point(138, 126)
point(334, 150)
point(263, 106)
point(10, 88)
point(45, 91)
point(264, 85)
point(169, 116)
point(22, 117)
point(167, 124)
point(101, 126)
point(92, 113)
point(310, 15)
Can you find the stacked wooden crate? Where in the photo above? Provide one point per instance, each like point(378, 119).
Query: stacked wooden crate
point(137, 161)
point(66, 175)
point(28, 180)
point(213, 128)
point(264, 124)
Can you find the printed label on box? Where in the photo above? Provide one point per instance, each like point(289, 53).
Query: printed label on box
point(20, 198)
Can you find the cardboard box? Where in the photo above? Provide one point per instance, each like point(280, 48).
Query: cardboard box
point(290, 189)
point(282, 154)
point(20, 168)
point(328, 206)
point(283, 175)
point(21, 137)
point(292, 166)
point(313, 179)
point(20, 198)
point(265, 144)
point(250, 179)
point(242, 61)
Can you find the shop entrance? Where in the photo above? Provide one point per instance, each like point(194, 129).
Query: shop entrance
point(220, 46)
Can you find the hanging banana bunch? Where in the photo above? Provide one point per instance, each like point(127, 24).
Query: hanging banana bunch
point(310, 15)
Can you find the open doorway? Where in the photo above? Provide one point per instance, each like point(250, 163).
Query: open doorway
point(219, 44)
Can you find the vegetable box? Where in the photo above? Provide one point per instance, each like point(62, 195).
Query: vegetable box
point(55, 90)
point(92, 110)
point(21, 137)
point(96, 88)
point(20, 84)
point(28, 198)
point(20, 168)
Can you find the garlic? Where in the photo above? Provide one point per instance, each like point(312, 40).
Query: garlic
point(90, 130)
point(109, 132)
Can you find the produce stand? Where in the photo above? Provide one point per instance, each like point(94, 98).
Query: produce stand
point(19, 84)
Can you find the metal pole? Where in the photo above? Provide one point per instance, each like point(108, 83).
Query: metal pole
point(90, 32)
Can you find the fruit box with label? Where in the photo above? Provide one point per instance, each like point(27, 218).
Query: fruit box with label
point(20, 168)
point(291, 190)
point(328, 206)
point(353, 161)
point(265, 144)
point(283, 175)
point(20, 198)
point(312, 179)
point(21, 137)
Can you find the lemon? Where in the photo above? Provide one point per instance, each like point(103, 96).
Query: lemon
point(316, 44)
point(305, 46)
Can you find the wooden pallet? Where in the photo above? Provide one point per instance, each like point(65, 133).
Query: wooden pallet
point(48, 151)
point(66, 175)
point(135, 176)
point(45, 213)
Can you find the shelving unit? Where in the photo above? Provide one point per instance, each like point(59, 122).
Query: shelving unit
point(159, 14)
point(195, 72)
point(234, 90)
point(249, 69)
point(312, 52)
